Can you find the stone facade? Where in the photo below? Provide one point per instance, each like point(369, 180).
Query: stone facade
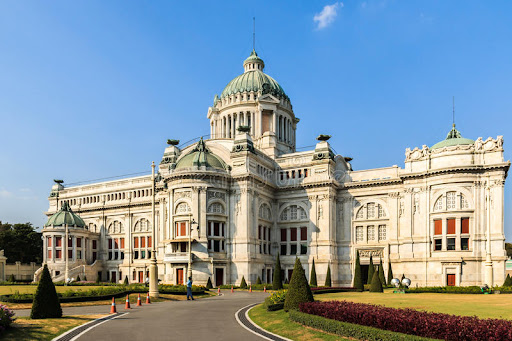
point(438, 220)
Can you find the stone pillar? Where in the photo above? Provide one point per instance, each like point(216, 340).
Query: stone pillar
point(202, 213)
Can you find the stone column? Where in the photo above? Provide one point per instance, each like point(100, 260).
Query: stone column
point(274, 123)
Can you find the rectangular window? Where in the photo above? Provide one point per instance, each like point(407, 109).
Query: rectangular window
point(70, 242)
point(259, 232)
point(70, 254)
point(78, 254)
point(359, 234)
point(183, 229)
point(143, 254)
point(94, 244)
point(283, 249)
point(450, 226)
point(183, 247)
point(464, 243)
point(94, 256)
point(450, 245)
point(438, 244)
point(110, 244)
point(293, 249)
point(135, 242)
point(283, 235)
point(216, 246)
point(58, 241)
point(371, 232)
point(49, 254)
point(303, 248)
point(122, 243)
point(149, 241)
point(79, 242)
point(142, 241)
point(382, 232)
point(464, 225)
point(293, 234)
point(438, 227)
point(116, 243)
point(49, 243)
point(216, 229)
point(136, 255)
point(110, 255)
point(303, 233)
point(58, 254)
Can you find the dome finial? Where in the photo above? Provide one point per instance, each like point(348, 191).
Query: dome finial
point(254, 34)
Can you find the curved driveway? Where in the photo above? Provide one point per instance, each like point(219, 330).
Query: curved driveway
point(202, 319)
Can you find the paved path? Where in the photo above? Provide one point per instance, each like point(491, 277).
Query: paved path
point(202, 319)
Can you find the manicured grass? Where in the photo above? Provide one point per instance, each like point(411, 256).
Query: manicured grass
point(25, 329)
point(483, 306)
point(277, 322)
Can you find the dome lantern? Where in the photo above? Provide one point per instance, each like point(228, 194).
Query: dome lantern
point(253, 62)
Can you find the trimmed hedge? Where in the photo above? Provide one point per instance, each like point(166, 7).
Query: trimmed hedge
point(413, 322)
point(457, 290)
point(275, 307)
point(327, 290)
point(351, 330)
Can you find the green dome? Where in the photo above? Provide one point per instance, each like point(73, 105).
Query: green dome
point(254, 80)
point(454, 138)
point(200, 156)
point(65, 217)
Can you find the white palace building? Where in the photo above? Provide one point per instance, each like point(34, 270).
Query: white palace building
point(245, 195)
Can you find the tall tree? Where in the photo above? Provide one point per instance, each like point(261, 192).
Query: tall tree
point(358, 280)
point(277, 282)
point(390, 274)
point(371, 270)
point(381, 274)
point(21, 243)
point(312, 278)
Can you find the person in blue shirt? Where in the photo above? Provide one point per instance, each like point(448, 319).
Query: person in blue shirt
point(189, 289)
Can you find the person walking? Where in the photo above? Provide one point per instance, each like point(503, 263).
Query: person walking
point(189, 289)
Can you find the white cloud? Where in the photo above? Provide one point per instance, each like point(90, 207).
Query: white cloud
point(5, 193)
point(327, 16)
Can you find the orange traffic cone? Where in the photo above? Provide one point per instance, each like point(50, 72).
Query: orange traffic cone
point(218, 291)
point(250, 288)
point(231, 288)
point(139, 303)
point(148, 301)
point(113, 307)
point(264, 289)
point(127, 306)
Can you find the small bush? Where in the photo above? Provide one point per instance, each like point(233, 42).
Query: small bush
point(299, 290)
point(258, 281)
point(243, 283)
point(6, 318)
point(275, 301)
point(46, 302)
point(508, 281)
point(328, 282)
point(126, 282)
point(312, 277)
point(209, 284)
point(277, 283)
point(376, 285)
point(11, 279)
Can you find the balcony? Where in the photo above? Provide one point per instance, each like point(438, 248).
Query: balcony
point(177, 257)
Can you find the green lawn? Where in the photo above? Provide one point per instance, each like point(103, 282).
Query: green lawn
point(277, 322)
point(483, 306)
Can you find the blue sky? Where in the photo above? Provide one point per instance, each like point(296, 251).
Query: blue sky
point(93, 89)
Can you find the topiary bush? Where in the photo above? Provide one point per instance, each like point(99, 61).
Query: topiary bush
point(312, 278)
point(381, 274)
point(243, 283)
point(328, 282)
point(371, 270)
point(277, 281)
point(126, 280)
point(209, 284)
point(376, 285)
point(46, 302)
point(11, 278)
point(358, 280)
point(258, 281)
point(390, 274)
point(299, 290)
point(6, 318)
point(508, 281)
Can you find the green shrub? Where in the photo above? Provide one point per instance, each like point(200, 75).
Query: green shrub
point(243, 283)
point(381, 274)
point(209, 284)
point(228, 286)
point(299, 290)
point(277, 282)
point(126, 282)
point(376, 285)
point(258, 281)
point(46, 302)
point(328, 282)
point(390, 274)
point(275, 301)
point(371, 270)
point(312, 278)
point(508, 281)
point(78, 278)
point(358, 280)
point(349, 330)
point(6, 317)
point(11, 278)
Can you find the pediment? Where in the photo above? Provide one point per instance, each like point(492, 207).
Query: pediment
point(268, 98)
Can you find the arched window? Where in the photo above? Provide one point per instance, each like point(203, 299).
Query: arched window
point(373, 211)
point(142, 225)
point(451, 201)
point(215, 207)
point(265, 212)
point(182, 208)
point(292, 213)
point(115, 227)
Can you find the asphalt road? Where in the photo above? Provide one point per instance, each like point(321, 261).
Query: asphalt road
point(201, 319)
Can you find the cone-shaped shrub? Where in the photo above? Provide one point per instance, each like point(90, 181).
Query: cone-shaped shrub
point(286, 281)
point(390, 274)
point(78, 278)
point(258, 281)
point(376, 285)
point(11, 278)
point(328, 282)
point(381, 274)
point(277, 282)
point(243, 283)
point(312, 278)
point(46, 302)
point(209, 284)
point(358, 280)
point(371, 270)
point(508, 281)
point(126, 280)
point(299, 290)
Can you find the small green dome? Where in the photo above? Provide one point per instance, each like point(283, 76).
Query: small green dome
point(200, 156)
point(65, 216)
point(454, 138)
point(254, 80)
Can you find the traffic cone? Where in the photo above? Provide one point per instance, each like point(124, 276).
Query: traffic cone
point(250, 288)
point(148, 301)
point(127, 306)
point(218, 291)
point(113, 307)
point(264, 289)
point(139, 303)
point(231, 289)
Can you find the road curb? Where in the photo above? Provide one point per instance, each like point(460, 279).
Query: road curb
point(242, 317)
point(78, 331)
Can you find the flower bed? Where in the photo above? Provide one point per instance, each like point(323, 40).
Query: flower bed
point(413, 322)
point(6, 318)
point(275, 301)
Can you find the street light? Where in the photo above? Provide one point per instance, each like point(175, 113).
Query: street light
point(153, 269)
point(191, 222)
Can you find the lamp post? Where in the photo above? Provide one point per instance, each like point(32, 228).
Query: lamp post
point(66, 270)
point(153, 269)
point(191, 222)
